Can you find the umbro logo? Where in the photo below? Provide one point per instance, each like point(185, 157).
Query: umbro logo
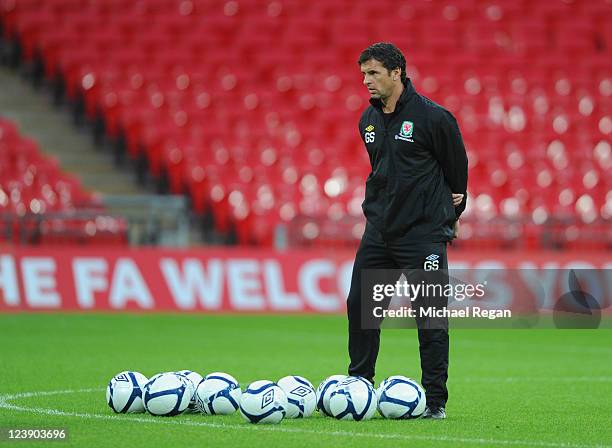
point(267, 398)
point(123, 377)
point(300, 391)
point(431, 263)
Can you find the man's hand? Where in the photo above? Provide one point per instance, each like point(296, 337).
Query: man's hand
point(457, 198)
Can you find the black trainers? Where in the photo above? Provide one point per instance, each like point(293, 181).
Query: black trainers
point(435, 412)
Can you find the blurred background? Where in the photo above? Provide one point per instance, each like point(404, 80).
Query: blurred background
point(234, 122)
point(187, 123)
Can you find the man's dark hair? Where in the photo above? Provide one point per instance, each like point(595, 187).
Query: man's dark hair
point(387, 54)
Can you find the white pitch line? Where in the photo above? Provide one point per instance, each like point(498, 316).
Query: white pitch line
point(513, 379)
point(5, 404)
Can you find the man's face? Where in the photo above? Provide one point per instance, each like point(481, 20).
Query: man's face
point(378, 79)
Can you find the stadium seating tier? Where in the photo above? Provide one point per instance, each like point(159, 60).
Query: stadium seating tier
point(250, 107)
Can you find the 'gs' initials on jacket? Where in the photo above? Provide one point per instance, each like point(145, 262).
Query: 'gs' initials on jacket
point(418, 159)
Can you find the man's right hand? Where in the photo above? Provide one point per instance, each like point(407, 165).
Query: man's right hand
point(456, 230)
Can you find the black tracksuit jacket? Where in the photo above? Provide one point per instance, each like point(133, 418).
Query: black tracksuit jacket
point(418, 159)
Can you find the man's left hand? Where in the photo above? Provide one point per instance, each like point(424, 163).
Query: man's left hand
point(457, 198)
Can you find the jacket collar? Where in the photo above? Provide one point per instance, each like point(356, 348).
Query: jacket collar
point(407, 93)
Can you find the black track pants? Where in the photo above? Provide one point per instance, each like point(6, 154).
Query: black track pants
point(375, 253)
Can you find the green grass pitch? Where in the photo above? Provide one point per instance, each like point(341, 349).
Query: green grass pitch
point(532, 388)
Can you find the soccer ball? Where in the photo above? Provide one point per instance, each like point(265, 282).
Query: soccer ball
point(381, 386)
point(301, 396)
point(324, 390)
point(218, 393)
point(124, 392)
point(263, 402)
point(195, 379)
point(401, 398)
point(167, 394)
point(353, 399)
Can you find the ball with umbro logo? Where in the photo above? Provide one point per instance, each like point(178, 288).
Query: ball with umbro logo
point(263, 402)
point(301, 396)
point(124, 392)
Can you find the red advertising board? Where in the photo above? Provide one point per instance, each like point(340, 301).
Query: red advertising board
point(213, 280)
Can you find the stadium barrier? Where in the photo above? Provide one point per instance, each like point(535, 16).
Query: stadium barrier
point(219, 280)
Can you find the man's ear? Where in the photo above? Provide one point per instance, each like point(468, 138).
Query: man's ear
point(396, 74)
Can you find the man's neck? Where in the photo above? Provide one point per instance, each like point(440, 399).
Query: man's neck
point(389, 103)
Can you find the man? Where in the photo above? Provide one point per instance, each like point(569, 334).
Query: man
point(414, 197)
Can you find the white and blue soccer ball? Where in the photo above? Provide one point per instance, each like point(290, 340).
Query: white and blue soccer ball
point(263, 402)
point(324, 390)
point(381, 386)
point(353, 399)
point(167, 394)
point(124, 392)
point(195, 378)
point(400, 397)
point(301, 396)
point(218, 393)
